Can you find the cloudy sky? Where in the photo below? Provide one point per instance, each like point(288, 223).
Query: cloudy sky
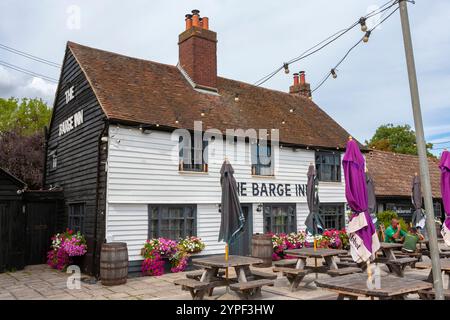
point(255, 37)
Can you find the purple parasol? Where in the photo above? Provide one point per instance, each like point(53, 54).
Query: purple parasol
point(362, 233)
point(444, 165)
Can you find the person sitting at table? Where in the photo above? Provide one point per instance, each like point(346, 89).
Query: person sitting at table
point(394, 232)
point(411, 240)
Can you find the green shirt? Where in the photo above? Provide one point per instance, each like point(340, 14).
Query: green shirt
point(410, 243)
point(389, 233)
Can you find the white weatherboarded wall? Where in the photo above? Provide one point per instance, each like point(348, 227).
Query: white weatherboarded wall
point(143, 169)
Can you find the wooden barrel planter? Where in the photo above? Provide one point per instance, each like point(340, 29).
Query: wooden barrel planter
point(114, 263)
point(262, 248)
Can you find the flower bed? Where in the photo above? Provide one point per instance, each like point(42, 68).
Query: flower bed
point(282, 242)
point(155, 251)
point(333, 239)
point(64, 247)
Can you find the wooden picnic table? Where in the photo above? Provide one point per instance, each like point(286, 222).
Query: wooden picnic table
point(212, 265)
point(388, 249)
point(394, 264)
point(327, 254)
point(355, 285)
point(248, 284)
point(445, 267)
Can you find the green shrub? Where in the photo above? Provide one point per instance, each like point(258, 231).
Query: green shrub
point(386, 217)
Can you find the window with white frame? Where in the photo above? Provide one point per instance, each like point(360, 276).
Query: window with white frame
point(193, 153)
point(262, 159)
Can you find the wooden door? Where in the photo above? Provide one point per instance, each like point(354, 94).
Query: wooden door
point(242, 245)
point(40, 226)
point(12, 234)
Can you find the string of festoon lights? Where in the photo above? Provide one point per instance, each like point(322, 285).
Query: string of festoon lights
point(335, 36)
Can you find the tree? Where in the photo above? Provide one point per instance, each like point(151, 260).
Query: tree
point(23, 156)
point(25, 117)
point(399, 139)
point(22, 138)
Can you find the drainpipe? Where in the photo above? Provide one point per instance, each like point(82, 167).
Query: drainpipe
point(97, 188)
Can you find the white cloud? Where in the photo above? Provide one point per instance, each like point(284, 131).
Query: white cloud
point(21, 86)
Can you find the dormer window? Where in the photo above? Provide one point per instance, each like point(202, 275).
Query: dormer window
point(193, 154)
point(262, 160)
point(328, 166)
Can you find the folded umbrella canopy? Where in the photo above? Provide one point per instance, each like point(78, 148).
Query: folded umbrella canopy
point(445, 192)
point(363, 237)
point(418, 217)
point(371, 198)
point(232, 219)
point(313, 222)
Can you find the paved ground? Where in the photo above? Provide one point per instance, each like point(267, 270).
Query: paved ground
point(42, 282)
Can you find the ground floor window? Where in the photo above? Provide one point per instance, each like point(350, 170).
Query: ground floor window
point(333, 215)
point(171, 221)
point(76, 216)
point(280, 218)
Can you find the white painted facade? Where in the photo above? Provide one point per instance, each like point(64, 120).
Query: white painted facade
point(143, 170)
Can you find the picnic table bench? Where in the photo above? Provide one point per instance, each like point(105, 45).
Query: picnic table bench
point(196, 288)
point(431, 294)
point(290, 263)
point(354, 286)
point(250, 289)
point(445, 267)
point(344, 271)
point(257, 275)
point(197, 274)
point(294, 275)
point(398, 265)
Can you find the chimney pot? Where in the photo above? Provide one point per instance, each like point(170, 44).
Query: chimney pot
point(205, 22)
point(295, 79)
point(195, 19)
point(188, 21)
point(195, 12)
point(302, 77)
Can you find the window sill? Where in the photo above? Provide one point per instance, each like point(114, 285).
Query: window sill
point(194, 173)
point(263, 176)
point(331, 182)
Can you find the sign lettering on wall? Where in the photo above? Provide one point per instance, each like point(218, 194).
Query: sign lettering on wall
point(70, 94)
point(71, 123)
point(271, 189)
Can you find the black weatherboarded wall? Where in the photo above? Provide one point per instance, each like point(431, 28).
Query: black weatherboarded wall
point(80, 157)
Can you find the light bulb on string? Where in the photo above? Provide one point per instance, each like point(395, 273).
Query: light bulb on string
point(286, 68)
point(362, 22)
point(366, 37)
point(333, 73)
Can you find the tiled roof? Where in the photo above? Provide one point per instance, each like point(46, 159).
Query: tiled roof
point(393, 173)
point(145, 92)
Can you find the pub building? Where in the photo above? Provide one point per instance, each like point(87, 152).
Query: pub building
point(125, 178)
point(393, 174)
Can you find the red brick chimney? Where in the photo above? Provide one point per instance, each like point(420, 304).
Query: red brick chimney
point(197, 51)
point(300, 86)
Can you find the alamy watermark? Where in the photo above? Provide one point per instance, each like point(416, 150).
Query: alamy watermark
point(74, 280)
